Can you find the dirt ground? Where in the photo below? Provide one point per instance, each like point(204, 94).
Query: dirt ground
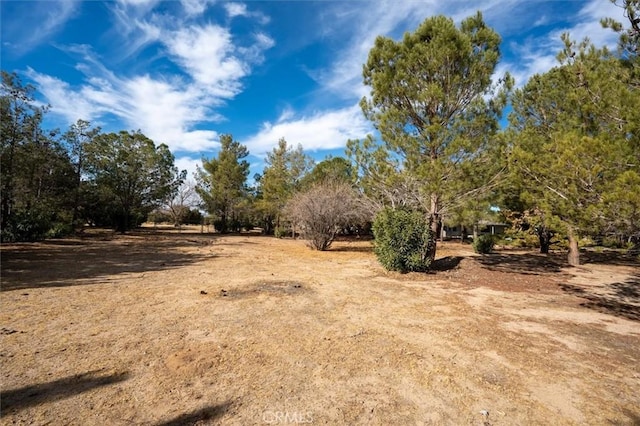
point(167, 328)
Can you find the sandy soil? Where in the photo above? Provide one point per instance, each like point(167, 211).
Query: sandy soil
point(169, 329)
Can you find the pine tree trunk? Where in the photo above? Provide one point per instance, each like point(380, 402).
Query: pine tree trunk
point(434, 224)
point(544, 237)
point(574, 252)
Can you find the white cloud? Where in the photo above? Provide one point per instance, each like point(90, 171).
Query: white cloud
point(168, 113)
point(323, 130)
point(176, 108)
point(65, 102)
point(138, 3)
point(286, 114)
point(134, 26)
point(357, 24)
point(207, 54)
point(33, 25)
point(542, 20)
point(235, 9)
point(163, 111)
point(588, 23)
point(538, 55)
point(195, 7)
point(255, 52)
point(189, 164)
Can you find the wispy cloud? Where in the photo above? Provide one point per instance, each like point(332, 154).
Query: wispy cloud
point(68, 103)
point(207, 54)
point(189, 164)
point(196, 7)
point(323, 130)
point(235, 9)
point(138, 3)
point(355, 26)
point(34, 25)
point(537, 54)
point(176, 106)
point(161, 110)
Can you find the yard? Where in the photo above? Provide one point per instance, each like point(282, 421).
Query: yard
point(167, 328)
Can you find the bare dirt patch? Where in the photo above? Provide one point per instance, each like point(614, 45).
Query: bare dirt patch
point(173, 328)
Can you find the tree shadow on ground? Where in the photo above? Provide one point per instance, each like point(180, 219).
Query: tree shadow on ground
point(352, 249)
point(621, 299)
point(446, 263)
point(634, 418)
point(17, 399)
point(522, 263)
point(609, 257)
point(352, 243)
point(207, 414)
point(60, 263)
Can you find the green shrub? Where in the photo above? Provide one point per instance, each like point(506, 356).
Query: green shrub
point(403, 240)
point(158, 216)
point(587, 242)
point(613, 241)
point(28, 225)
point(59, 230)
point(192, 217)
point(280, 231)
point(484, 244)
point(520, 239)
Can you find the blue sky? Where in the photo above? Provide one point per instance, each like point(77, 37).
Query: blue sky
point(185, 72)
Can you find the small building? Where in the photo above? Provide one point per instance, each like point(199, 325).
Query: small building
point(484, 228)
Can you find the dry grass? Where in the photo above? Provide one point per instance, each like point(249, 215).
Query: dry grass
point(181, 328)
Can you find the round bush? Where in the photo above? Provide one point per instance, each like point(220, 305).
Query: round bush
point(484, 244)
point(403, 240)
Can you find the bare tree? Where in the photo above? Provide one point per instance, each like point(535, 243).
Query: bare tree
point(323, 210)
point(185, 198)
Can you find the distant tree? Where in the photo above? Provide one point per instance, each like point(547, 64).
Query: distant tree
point(179, 205)
point(21, 120)
point(432, 100)
point(468, 215)
point(222, 184)
point(129, 176)
point(335, 169)
point(522, 213)
point(324, 209)
point(630, 38)
point(193, 217)
point(281, 178)
point(76, 138)
point(35, 171)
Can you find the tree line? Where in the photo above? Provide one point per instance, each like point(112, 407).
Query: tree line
point(54, 182)
point(566, 166)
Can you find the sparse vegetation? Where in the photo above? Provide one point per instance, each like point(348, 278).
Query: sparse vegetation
point(324, 210)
